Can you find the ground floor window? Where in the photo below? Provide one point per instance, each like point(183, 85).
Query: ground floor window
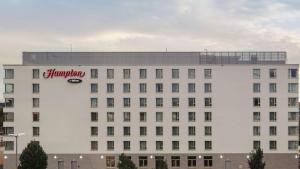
point(110, 161)
point(158, 160)
point(143, 161)
point(175, 160)
point(208, 161)
point(191, 161)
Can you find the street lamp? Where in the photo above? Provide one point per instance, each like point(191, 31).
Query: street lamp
point(16, 136)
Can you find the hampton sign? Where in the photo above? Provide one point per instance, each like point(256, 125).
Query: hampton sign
point(73, 75)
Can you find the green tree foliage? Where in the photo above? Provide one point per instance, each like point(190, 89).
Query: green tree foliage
point(255, 160)
point(125, 163)
point(33, 157)
point(161, 164)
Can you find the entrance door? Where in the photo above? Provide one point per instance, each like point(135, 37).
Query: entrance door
point(73, 164)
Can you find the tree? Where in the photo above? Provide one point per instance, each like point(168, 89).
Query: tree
point(255, 160)
point(125, 163)
point(33, 157)
point(161, 164)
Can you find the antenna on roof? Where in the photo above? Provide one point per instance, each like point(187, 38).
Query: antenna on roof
point(71, 48)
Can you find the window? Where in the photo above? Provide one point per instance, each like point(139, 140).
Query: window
point(9, 88)
point(159, 131)
point(159, 102)
point(175, 87)
point(94, 116)
point(192, 116)
point(159, 116)
point(256, 87)
point(293, 73)
point(256, 144)
point(175, 102)
point(110, 117)
point(35, 131)
point(35, 102)
point(256, 131)
point(293, 145)
point(208, 145)
point(293, 130)
point(110, 73)
point(9, 73)
point(192, 102)
point(8, 130)
point(175, 161)
point(126, 131)
point(207, 116)
point(175, 73)
point(143, 145)
point(94, 88)
point(94, 131)
point(143, 87)
point(110, 131)
point(207, 73)
point(110, 88)
point(35, 73)
point(191, 130)
point(207, 87)
point(35, 116)
point(143, 116)
point(126, 88)
point(272, 73)
point(175, 131)
point(175, 116)
point(143, 73)
point(256, 102)
point(110, 145)
point(159, 87)
point(94, 145)
point(272, 102)
point(110, 161)
point(110, 102)
point(126, 73)
point(191, 73)
point(207, 102)
point(158, 161)
point(94, 73)
point(256, 73)
point(272, 88)
point(293, 88)
point(9, 102)
point(292, 101)
point(191, 88)
point(8, 116)
point(126, 102)
point(192, 145)
point(273, 131)
point(94, 102)
point(143, 131)
point(272, 116)
point(143, 102)
point(175, 145)
point(208, 161)
point(126, 145)
point(293, 116)
point(9, 145)
point(35, 88)
point(159, 73)
point(143, 161)
point(126, 116)
point(207, 130)
point(191, 161)
point(159, 145)
point(273, 145)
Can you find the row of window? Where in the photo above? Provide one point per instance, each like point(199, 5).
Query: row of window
point(292, 87)
point(292, 130)
point(110, 74)
point(292, 102)
point(10, 130)
point(292, 116)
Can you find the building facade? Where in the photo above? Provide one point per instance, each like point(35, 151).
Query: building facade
point(192, 109)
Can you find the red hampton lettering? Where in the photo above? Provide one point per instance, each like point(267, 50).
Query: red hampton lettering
point(62, 73)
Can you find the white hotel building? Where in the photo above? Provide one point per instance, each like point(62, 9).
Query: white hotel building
point(193, 109)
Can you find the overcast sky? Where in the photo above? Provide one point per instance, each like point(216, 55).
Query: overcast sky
point(148, 25)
